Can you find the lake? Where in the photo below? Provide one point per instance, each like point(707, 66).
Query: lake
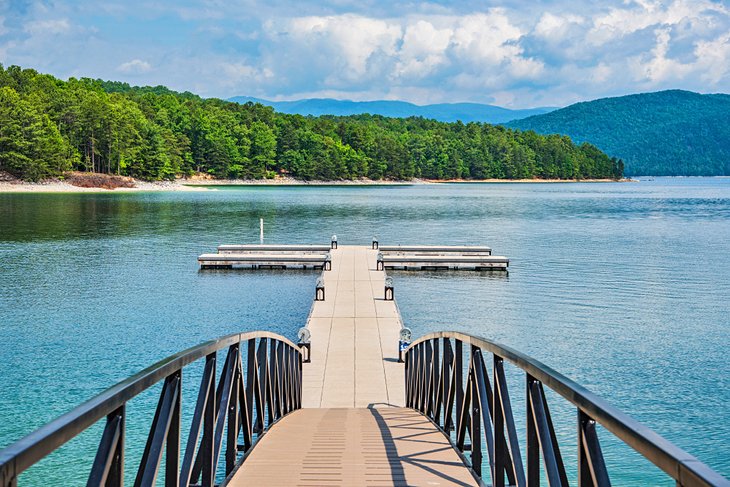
point(621, 286)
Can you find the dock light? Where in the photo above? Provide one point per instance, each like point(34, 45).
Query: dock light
point(380, 266)
point(334, 242)
point(388, 288)
point(319, 290)
point(328, 262)
point(304, 336)
point(404, 342)
point(376, 245)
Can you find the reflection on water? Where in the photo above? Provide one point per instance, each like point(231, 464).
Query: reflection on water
point(622, 287)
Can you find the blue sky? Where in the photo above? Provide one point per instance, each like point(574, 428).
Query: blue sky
point(515, 54)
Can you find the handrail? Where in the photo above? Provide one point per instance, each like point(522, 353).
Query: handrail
point(271, 382)
point(434, 386)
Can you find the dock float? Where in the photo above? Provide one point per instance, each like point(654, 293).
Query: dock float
point(264, 261)
point(430, 257)
point(278, 248)
point(270, 256)
point(434, 249)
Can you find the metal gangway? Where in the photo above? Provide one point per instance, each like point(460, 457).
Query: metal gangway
point(351, 403)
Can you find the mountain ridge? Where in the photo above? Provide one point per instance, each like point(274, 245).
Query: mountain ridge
point(662, 133)
point(443, 112)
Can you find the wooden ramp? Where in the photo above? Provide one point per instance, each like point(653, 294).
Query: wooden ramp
point(354, 446)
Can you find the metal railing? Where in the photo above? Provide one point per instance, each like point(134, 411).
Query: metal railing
point(481, 410)
point(245, 403)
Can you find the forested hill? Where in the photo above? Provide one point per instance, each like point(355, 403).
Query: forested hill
point(667, 133)
point(443, 112)
point(48, 126)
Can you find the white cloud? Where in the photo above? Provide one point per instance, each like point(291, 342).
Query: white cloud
point(658, 67)
point(622, 21)
point(554, 28)
point(713, 57)
point(489, 39)
point(423, 49)
point(135, 66)
point(352, 38)
point(46, 27)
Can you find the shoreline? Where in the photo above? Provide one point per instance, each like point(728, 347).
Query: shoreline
point(58, 186)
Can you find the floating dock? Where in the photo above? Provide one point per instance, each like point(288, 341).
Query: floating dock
point(267, 257)
point(264, 261)
point(397, 257)
point(434, 250)
point(431, 257)
point(278, 248)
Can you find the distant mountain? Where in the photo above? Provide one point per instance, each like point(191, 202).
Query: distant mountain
point(667, 133)
point(444, 112)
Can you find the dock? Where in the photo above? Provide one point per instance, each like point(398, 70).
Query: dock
point(354, 428)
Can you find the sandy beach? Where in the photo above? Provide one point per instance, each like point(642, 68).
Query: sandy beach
point(60, 186)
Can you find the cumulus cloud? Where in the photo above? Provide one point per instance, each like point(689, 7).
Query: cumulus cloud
point(135, 66)
point(515, 54)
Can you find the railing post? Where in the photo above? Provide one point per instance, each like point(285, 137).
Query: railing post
point(476, 429)
point(532, 442)
point(407, 378)
point(209, 419)
point(108, 466)
point(172, 443)
point(458, 379)
point(500, 447)
point(233, 425)
point(592, 470)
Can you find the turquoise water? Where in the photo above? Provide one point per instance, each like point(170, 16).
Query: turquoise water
point(622, 287)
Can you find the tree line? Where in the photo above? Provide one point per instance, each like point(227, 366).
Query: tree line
point(49, 126)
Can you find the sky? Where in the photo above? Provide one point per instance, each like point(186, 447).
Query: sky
point(515, 54)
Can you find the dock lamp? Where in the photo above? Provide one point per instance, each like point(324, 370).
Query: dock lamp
point(404, 342)
point(376, 245)
point(334, 242)
point(304, 336)
point(388, 289)
point(319, 290)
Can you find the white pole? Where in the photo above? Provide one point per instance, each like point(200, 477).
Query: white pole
point(261, 227)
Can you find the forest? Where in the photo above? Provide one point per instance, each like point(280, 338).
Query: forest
point(665, 133)
point(49, 126)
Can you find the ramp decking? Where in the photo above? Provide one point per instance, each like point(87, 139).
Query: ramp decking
point(354, 447)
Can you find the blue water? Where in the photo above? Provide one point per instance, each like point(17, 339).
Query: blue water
point(621, 286)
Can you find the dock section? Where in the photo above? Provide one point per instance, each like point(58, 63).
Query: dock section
point(354, 335)
point(262, 256)
point(432, 257)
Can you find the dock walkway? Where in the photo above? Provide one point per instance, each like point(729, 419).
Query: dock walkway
point(353, 428)
point(354, 337)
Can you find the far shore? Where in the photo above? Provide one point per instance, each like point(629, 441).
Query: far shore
point(60, 186)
